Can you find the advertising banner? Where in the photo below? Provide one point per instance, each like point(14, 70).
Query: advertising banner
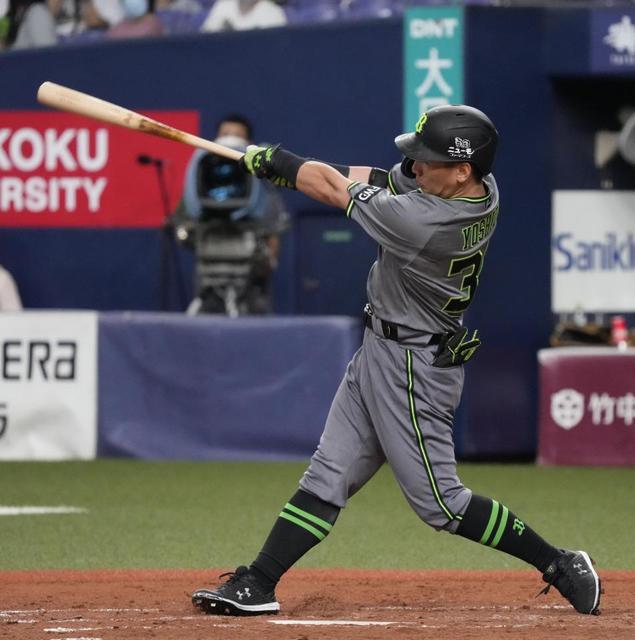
point(48, 385)
point(613, 41)
point(433, 60)
point(63, 170)
point(593, 251)
point(587, 406)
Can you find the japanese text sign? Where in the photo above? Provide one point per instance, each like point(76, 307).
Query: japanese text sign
point(433, 60)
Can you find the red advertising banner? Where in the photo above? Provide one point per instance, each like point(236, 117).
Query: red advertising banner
point(63, 170)
point(587, 406)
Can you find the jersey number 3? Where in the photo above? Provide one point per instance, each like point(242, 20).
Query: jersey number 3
point(470, 267)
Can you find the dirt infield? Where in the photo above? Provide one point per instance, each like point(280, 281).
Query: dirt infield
point(326, 603)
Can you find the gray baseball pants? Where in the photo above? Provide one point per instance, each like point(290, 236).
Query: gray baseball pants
point(393, 406)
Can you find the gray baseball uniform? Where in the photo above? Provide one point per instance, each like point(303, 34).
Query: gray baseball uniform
point(393, 405)
point(397, 401)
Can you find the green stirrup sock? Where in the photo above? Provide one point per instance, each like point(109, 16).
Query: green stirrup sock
point(494, 525)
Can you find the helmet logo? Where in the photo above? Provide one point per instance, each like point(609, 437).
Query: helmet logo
point(461, 149)
point(421, 122)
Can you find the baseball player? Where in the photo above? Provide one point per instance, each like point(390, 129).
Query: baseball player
point(433, 217)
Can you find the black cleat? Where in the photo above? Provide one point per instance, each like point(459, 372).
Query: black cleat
point(240, 595)
point(572, 573)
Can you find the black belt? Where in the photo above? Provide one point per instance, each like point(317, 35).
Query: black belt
point(391, 330)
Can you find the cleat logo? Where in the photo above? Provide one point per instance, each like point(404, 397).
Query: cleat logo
point(580, 568)
point(242, 594)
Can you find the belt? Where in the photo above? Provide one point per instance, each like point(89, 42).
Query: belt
point(390, 330)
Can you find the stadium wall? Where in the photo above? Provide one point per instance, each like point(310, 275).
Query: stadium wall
point(333, 92)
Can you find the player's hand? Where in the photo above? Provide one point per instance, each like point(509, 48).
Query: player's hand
point(257, 160)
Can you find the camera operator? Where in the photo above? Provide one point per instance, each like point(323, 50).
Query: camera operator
point(233, 223)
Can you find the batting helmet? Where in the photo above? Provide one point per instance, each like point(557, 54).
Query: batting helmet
point(452, 134)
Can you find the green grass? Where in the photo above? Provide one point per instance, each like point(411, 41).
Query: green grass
point(183, 514)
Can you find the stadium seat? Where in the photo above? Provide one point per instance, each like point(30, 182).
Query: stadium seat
point(308, 11)
point(359, 9)
point(180, 22)
point(83, 37)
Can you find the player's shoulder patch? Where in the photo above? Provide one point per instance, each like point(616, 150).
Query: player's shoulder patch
point(367, 193)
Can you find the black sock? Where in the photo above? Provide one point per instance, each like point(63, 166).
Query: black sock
point(493, 524)
point(303, 522)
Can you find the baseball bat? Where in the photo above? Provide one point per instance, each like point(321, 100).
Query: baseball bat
point(83, 104)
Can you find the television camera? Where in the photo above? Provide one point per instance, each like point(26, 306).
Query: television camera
point(225, 224)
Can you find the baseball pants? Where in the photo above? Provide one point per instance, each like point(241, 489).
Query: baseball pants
point(393, 406)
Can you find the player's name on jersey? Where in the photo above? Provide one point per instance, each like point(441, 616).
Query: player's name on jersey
point(476, 232)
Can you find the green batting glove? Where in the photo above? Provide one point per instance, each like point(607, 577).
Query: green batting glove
point(257, 160)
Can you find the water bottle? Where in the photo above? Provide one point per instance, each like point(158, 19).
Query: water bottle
point(619, 332)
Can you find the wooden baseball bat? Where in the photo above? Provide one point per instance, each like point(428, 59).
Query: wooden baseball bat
point(83, 104)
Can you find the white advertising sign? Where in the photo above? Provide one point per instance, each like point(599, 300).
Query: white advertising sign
point(48, 385)
point(593, 251)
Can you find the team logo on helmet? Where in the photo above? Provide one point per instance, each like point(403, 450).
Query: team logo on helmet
point(462, 148)
point(421, 123)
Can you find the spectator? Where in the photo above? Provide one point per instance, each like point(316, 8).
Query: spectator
point(9, 296)
point(139, 20)
point(102, 14)
point(4, 22)
point(29, 24)
point(85, 18)
point(67, 16)
point(238, 15)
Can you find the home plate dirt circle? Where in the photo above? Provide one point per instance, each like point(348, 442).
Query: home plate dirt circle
point(316, 603)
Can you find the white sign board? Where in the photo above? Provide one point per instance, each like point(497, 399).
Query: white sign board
point(48, 385)
point(593, 251)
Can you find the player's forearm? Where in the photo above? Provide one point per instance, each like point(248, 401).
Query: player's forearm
point(323, 183)
point(359, 174)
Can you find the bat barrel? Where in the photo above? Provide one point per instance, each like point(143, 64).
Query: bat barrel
point(83, 104)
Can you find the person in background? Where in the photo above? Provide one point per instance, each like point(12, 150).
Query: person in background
point(139, 21)
point(29, 24)
point(277, 219)
point(9, 296)
point(4, 22)
point(238, 15)
point(234, 131)
point(67, 16)
point(85, 18)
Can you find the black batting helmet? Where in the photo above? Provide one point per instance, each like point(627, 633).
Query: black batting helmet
point(452, 133)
